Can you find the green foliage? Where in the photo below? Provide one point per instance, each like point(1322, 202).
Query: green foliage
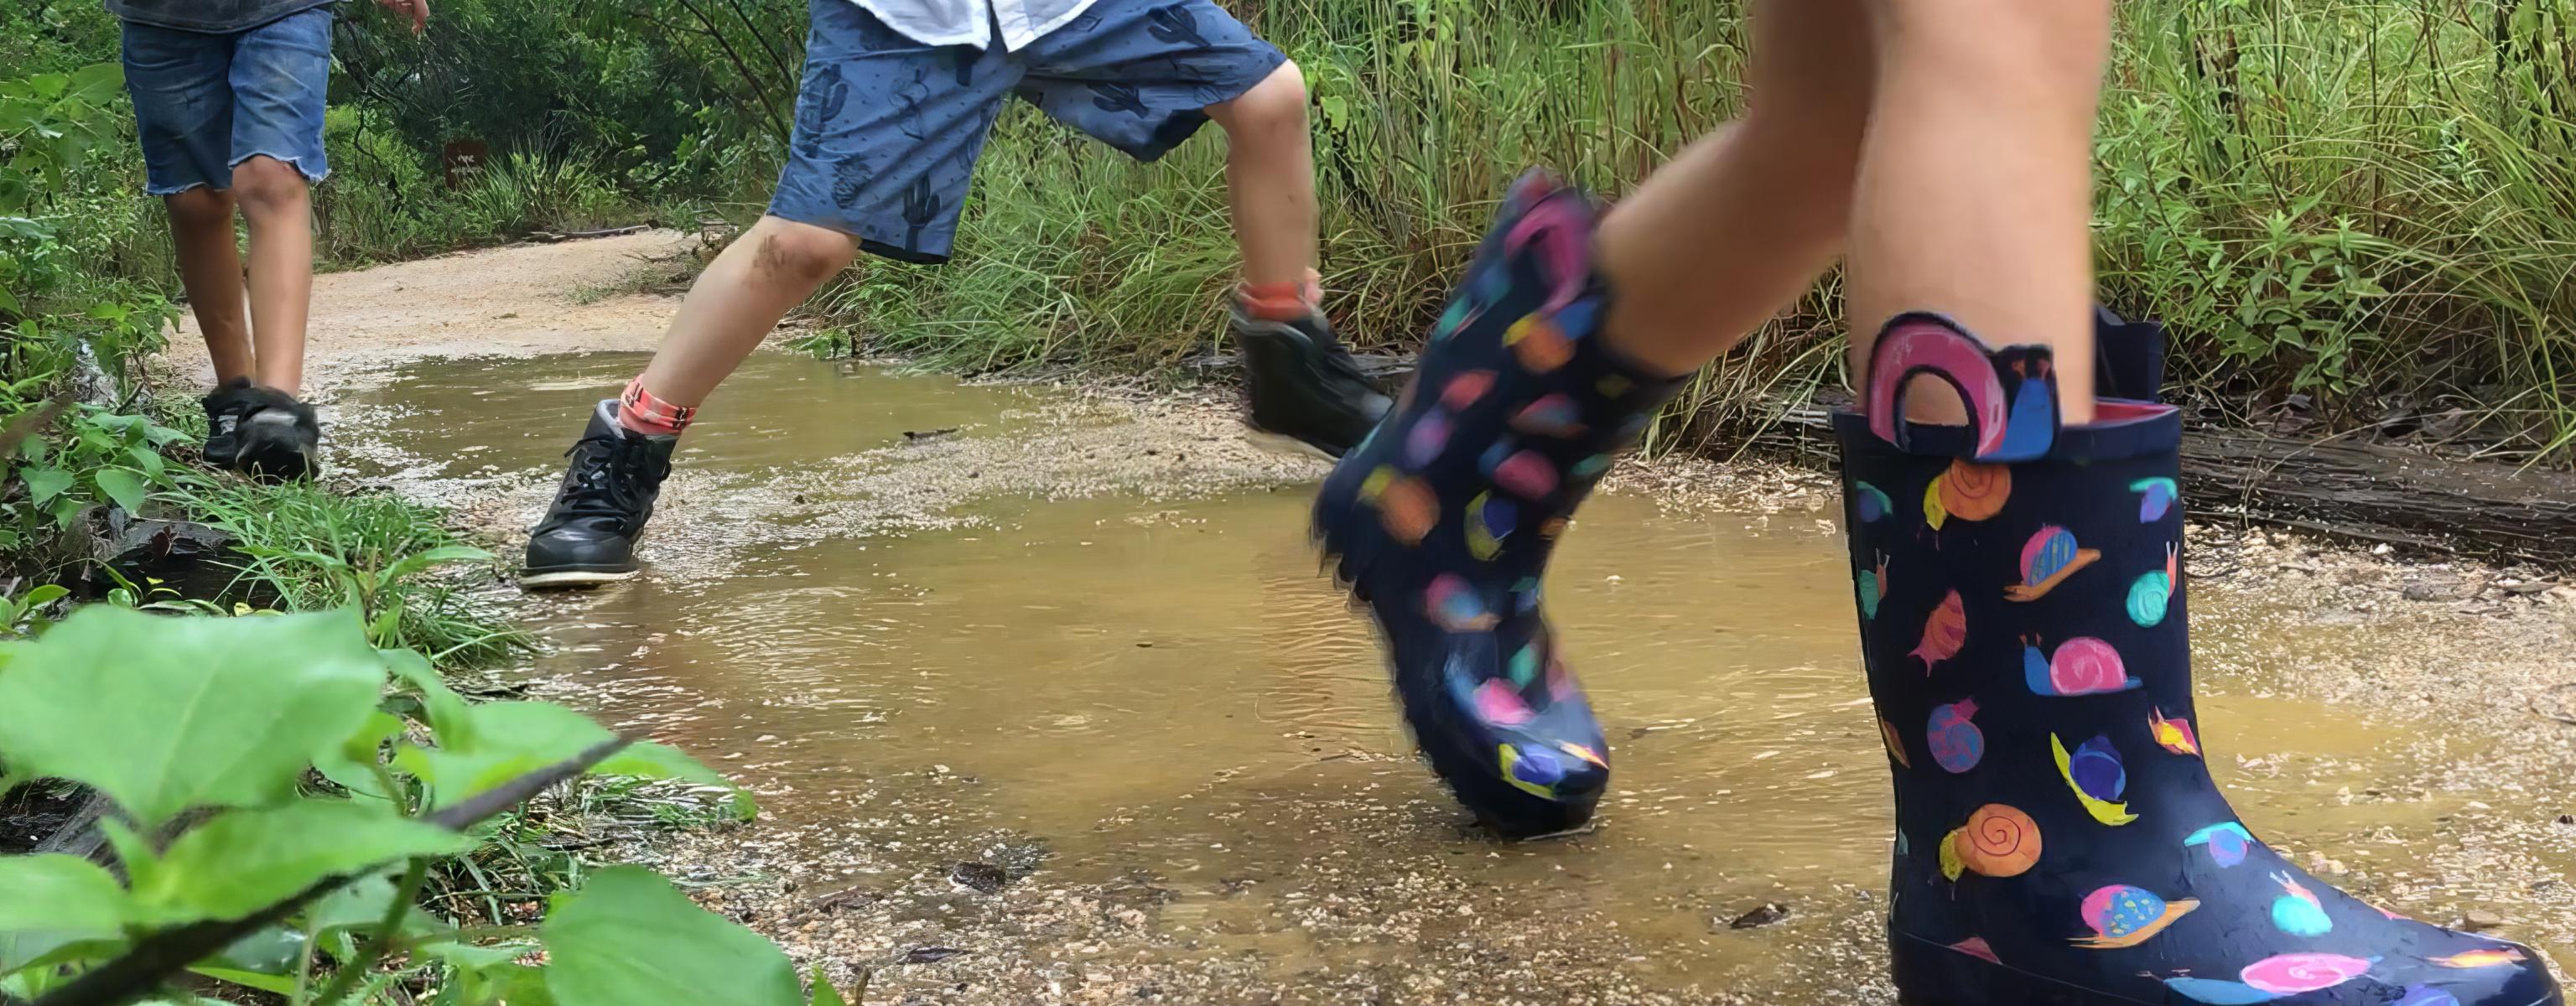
point(233, 716)
point(628, 937)
point(98, 457)
point(186, 712)
point(377, 553)
point(63, 292)
point(2369, 203)
point(242, 862)
point(59, 894)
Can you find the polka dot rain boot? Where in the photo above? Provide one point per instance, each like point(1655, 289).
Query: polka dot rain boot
point(1443, 518)
point(2059, 838)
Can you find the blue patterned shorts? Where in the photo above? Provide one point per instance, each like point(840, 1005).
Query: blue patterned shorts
point(888, 129)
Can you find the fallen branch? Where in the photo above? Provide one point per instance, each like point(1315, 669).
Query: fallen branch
point(551, 237)
point(2369, 492)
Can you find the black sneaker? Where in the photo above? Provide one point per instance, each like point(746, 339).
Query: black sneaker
point(588, 536)
point(224, 407)
point(262, 432)
point(1306, 392)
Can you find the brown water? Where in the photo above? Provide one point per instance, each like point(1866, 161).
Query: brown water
point(1157, 683)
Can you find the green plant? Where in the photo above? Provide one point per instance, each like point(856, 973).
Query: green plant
point(62, 299)
point(2369, 203)
point(100, 457)
point(375, 553)
point(334, 775)
point(24, 615)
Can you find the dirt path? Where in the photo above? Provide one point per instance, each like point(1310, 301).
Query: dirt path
point(2469, 662)
point(515, 301)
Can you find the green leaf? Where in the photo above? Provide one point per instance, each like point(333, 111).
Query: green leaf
point(147, 459)
point(358, 904)
point(44, 595)
point(273, 950)
point(21, 951)
point(449, 719)
point(245, 860)
point(629, 937)
point(509, 739)
point(248, 979)
point(45, 483)
point(473, 957)
point(97, 83)
point(824, 993)
point(123, 486)
point(353, 765)
point(164, 714)
point(61, 894)
point(517, 985)
point(422, 561)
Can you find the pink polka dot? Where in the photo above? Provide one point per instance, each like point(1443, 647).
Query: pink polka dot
point(1526, 475)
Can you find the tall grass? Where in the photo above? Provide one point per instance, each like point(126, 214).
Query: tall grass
point(2369, 203)
point(317, 548)
point(387, 200)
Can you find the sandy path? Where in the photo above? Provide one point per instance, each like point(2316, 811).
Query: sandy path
point(522, 300)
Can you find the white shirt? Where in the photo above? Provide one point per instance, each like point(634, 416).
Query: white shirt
point(970, 22)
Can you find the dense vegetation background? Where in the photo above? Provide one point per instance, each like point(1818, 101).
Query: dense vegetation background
point(2359, 213)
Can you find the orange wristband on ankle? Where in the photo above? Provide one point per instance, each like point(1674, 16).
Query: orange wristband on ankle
point(639, 411)
point(1282, 301)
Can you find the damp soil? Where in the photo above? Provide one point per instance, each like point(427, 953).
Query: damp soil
point(1046, 701)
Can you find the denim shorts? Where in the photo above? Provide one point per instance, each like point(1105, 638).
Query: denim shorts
point(204, 101)
point(888, 129)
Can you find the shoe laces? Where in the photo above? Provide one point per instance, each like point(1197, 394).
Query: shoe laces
point(609, 473)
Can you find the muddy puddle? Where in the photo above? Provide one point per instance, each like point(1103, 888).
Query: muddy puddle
point(898, 608)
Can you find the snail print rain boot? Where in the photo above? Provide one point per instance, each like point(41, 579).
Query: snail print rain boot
point(2059, 839)
point(1443, 518)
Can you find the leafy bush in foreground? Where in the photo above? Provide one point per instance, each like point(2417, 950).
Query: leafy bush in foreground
point(282, 782)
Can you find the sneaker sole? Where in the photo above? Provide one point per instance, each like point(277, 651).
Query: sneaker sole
point(574, 578)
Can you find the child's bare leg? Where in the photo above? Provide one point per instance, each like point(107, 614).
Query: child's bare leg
point(772, 268)
point(201, 231)
point(1270, 179)
point(1300, 385)
point(1976, 184)
point(278, 206)
point(1721, 238)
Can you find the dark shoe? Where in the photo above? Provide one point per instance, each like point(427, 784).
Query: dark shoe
point(224, 407)
point(1443, 518)
point(2128, 357)
point(1306, 392)
point(263, 432)
point(2059, 838)
point(588, 536)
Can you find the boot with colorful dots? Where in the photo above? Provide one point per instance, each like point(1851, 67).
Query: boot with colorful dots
point(1443, 519)
point(2059, 838)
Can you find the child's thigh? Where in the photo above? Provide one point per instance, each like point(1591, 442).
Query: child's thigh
point(183, 106)
point(280, 76)
point(1139, 75)
point(887, 133)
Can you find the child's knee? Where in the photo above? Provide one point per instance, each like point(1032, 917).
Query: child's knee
point(202, 206)
point(1279, 101)
point(263, 184)
point(801, 254)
